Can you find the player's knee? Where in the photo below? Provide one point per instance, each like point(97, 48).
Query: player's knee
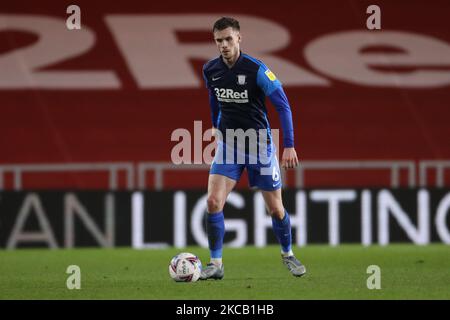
point(214, 204)
point(277, 213)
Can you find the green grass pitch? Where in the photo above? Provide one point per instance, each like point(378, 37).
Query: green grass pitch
point(407, 272)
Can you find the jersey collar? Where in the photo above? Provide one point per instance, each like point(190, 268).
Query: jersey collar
point(235, 64)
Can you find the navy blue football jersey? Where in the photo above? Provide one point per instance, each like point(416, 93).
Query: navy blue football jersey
point(237, 96)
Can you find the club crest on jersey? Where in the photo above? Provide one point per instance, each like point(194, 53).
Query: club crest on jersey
point(241, 79)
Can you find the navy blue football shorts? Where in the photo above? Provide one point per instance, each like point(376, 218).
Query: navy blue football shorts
point(263, 170)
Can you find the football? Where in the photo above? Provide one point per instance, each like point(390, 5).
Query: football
point(185, 267)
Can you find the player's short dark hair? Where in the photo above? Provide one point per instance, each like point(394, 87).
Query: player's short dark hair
point(226, 22)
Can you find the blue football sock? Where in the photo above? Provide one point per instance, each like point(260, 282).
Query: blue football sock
point(282, 230)
point(216, 230)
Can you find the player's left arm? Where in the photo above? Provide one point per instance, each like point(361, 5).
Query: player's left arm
point(279, 99)
point(272, 88)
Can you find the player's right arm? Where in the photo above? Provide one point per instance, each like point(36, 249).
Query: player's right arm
point(213, 103)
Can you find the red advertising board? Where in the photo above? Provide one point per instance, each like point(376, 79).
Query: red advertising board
point(116, 89)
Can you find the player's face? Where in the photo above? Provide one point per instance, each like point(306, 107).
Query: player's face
point(227, 40)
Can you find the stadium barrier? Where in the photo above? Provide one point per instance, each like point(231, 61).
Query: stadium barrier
point(111, 168)
point(139, 172)
point(439, 166)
